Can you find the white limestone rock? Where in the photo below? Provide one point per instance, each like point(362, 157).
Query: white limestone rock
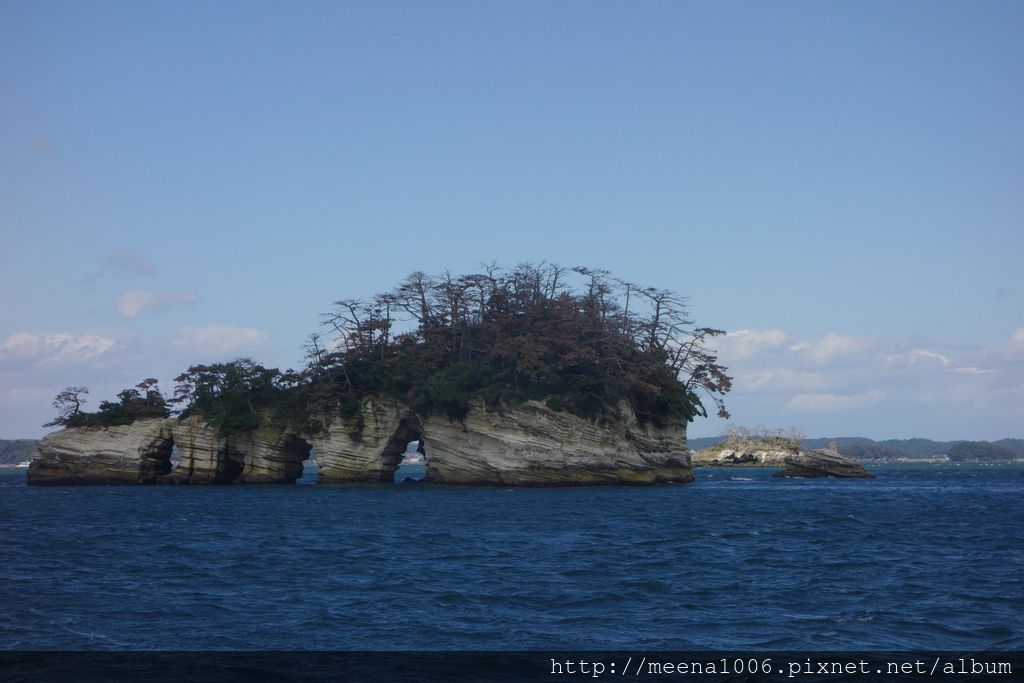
point(532, 445)
point(138, 453)
point(268, 457)
point(203, 453)
point(366, 448)
point(750, 456)
point(528, 445)
point(823, 462)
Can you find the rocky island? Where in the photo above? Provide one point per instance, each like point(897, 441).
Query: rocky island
point(762, 448)
point(530, 445)
point(512, 378)
point(744, 447)
point(823, 462)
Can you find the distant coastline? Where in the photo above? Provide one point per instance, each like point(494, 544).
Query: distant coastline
point(916, 450)
point(14, 452)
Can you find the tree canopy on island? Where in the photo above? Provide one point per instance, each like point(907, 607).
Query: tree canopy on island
point(746, 439)
point(142, 400)
point(578, 339)
point(979, 451)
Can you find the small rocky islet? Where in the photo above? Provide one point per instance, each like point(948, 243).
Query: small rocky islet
point(789, 455)
point(506, 377)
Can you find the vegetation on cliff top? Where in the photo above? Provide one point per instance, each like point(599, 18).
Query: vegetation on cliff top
point(142, 400)
point(744, 439)
point(579, 339)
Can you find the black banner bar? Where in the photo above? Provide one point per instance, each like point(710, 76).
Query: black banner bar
point(485, 667)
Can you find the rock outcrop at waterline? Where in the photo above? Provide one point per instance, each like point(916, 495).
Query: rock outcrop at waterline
point(366, 448)
point(140, 453)
point(203, 455)
point(823, 463)
point(741, 457)
point(528, 445)
point(137, 453)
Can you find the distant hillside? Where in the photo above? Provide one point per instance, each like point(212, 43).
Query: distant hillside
point(1015, 446)
point(704, 442)
point(863, 448)
point(979, 451)
point(13, 451)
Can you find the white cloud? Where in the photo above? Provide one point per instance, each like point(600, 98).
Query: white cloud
point(133, 302)
point(128, 260)
point(833, 346)
point(973, 371)
point(215, 339)
point(922, 354)
point(25, 396)
point(918, 356)
point(780, 380)
point(746, 343)
point(45, 349)
point(125, 261)
point(1015, 347)
point(830, 403)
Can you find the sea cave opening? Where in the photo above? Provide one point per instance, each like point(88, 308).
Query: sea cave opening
point(412, 467)
point(403, 460)
point(297, 453)
point(310, 469)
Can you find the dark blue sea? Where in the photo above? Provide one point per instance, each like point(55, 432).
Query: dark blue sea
point(923, 557)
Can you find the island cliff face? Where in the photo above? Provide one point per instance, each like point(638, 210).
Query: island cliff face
point(368, 447)
point(124, 454)
point(533, 445)
point(203, 455)
point(528, 445)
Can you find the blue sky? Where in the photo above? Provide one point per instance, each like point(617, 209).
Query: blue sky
point(838, 185)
